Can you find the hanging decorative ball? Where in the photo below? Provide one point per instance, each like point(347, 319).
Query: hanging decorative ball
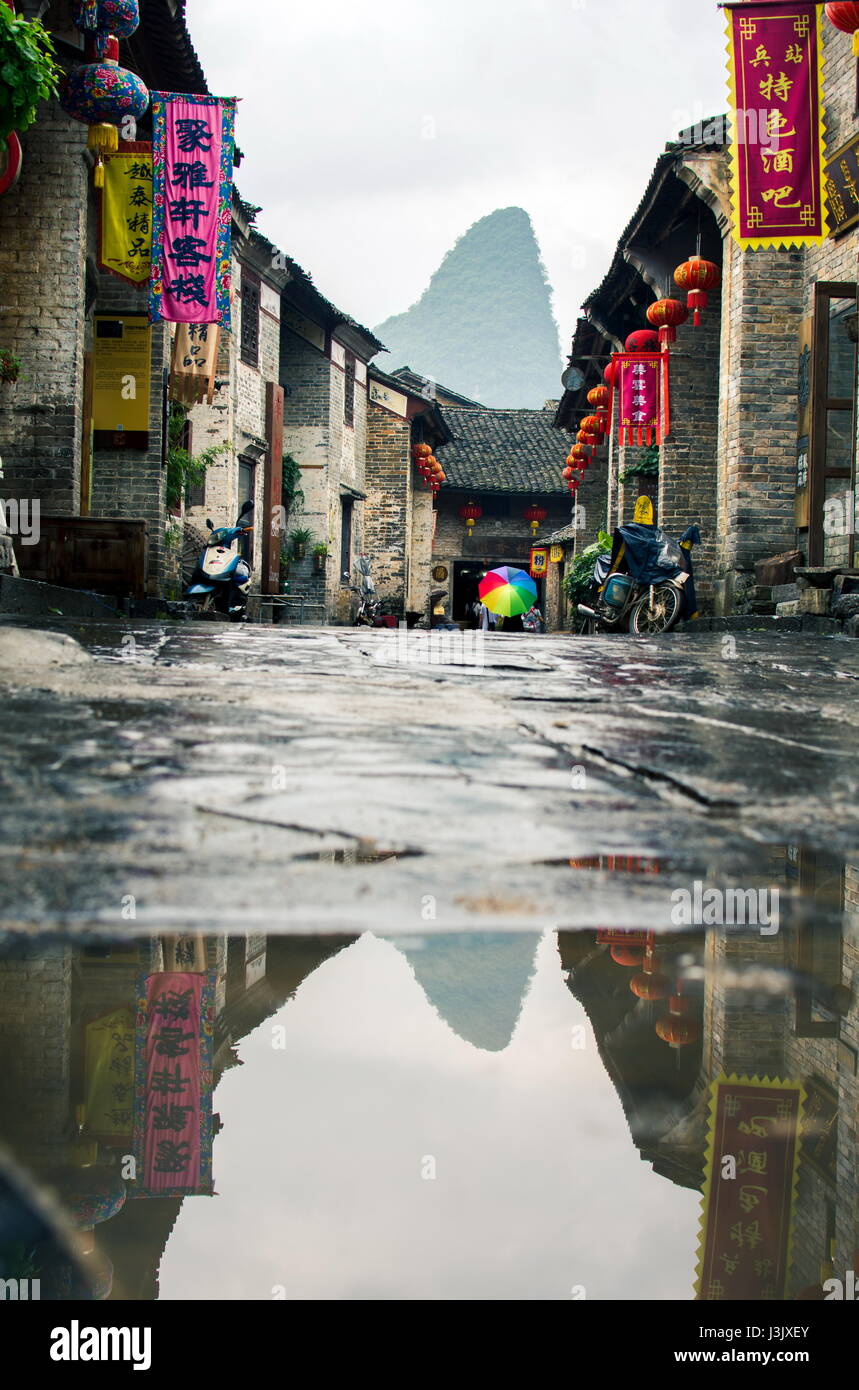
point(650, 986)
point(580, 452)
point(568, 472)
point(678, 1032)
point(626, 955)
point(591, 423)
point(599, 398)
point(643, 340)
point(845, 16)
point(536, 516)
point(422, 451)
point(588, 439)
point(610, 373)
point(118, 17)
point(697, 276)
point(100, 95)
point(667, 315)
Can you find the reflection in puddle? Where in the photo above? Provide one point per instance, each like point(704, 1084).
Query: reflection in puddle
point(450, 1116)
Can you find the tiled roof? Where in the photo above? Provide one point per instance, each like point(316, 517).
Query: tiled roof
point(504, 451)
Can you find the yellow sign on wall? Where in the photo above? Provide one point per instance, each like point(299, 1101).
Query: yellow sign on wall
point(556, 554)
point(122, 347)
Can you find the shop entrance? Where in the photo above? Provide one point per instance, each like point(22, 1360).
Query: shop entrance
point(467, 575)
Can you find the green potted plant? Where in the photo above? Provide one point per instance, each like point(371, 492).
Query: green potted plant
point(320, 555)
point(284, 567)
point(29, 71)
point(300, 539)
point(10, 365)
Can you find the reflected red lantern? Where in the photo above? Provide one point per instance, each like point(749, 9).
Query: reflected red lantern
point(625, 955)
point(650, 986)
point(845, 16)
point(667, 315)
point(698, 277)
point(643, 340)
point(678, 1032)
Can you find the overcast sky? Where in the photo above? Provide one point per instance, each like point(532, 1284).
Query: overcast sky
point(375, 135)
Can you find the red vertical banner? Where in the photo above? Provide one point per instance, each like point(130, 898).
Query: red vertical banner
point(639, 397)
point(173, 1084)
point(777, 138)
point(749, 1190)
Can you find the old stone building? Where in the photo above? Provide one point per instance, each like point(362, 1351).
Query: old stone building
point(58, 312)
point(400, 516)
point(761, 453)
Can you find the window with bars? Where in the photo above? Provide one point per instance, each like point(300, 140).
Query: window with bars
point(250, 321)
point(349, 401)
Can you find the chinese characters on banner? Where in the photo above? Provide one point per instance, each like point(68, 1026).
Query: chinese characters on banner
point(640, 397)
point(539, 562)
point(109, 1064)
point(125, 223)
point(748, 1218)
point(194, 363)
point(192, 169)
point(173, 1084)
point(777, 145)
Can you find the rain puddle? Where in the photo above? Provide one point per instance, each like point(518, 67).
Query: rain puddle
point(500, 1116)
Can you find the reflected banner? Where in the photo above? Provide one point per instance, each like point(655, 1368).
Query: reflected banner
point(777, 124)
point(173, 1084)
point(749, 1189)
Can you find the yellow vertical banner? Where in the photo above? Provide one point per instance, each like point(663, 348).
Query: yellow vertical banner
point(125, 219)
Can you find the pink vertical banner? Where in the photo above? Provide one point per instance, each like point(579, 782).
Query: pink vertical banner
point(192, 185)
point(173, 1084)
point(777, 114)
point(639, 399)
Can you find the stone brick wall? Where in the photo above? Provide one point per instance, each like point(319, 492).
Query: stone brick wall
point(389, 508)
point(687, 487)
point(43, 245)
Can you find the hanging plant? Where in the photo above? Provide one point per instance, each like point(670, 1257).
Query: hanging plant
point(10, 365)
point(647, 466)
point(28, 71)
point(577, 580)
point(184, 470)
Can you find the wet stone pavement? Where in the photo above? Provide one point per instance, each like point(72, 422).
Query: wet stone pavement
point(405, 966)
point(309, 781)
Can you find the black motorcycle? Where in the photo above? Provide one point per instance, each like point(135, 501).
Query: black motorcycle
point(645, 586)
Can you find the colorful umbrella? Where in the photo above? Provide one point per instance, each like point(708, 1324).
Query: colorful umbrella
point(508, 592)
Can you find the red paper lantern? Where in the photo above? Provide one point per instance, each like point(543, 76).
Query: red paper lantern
point(590, 441)
point(579, 454)
point(845, 16)
point(599, 398)
point(698, 276)
point(536, 516)
point(667, 315)
point(567, 473)
point(650, 986)
point(591, 423)
point(610, 373)
point(678, 1032)
point(470, 514)
point(625, 955)
point(643, 340)
point(422, 451)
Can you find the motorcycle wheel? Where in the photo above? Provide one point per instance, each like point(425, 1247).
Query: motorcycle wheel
point(653, 620)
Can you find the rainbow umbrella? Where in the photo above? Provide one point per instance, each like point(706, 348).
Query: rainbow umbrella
point(508, 592)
